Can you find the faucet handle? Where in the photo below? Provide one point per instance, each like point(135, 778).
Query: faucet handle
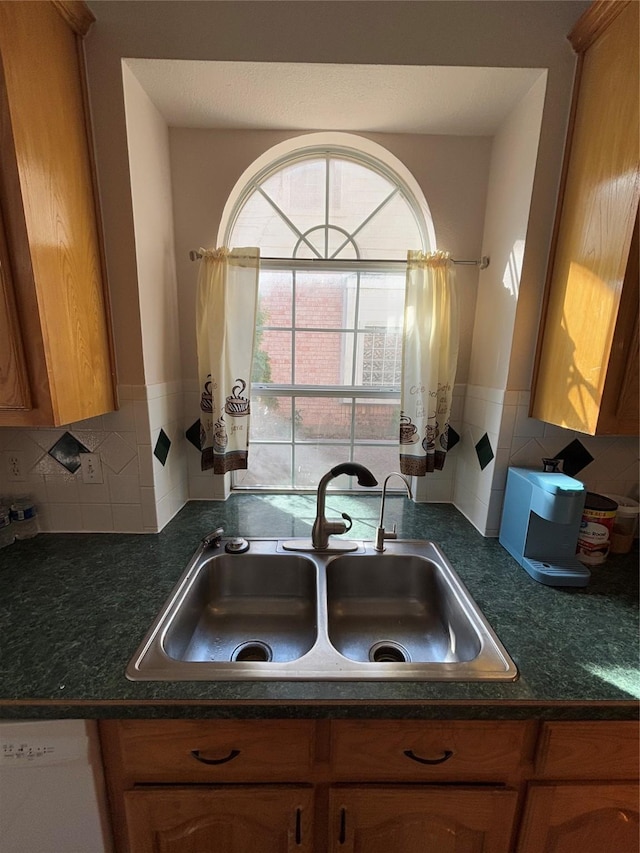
point(349, 520)
point(213, 539)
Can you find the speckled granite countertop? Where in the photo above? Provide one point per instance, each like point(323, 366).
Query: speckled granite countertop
point(75, 607)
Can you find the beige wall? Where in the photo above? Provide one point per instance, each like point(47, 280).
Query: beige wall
point(451, 170)
point(513, 163)
point(148, 147)
point(505, 33)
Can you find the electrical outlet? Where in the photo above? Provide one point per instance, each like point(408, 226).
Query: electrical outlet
point(15, 466)
point(91, 468)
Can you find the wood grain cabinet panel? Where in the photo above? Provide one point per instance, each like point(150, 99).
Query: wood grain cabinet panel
point(51, 219)
point(414, 819)
point(589, 750)
point(585, 376)
point(427, 751)
point(580, 818)
point(216, 751)
point(266, 819)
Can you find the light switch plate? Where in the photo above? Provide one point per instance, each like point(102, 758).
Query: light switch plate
point(91, 468)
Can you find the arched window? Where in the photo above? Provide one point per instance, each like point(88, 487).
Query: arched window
point(327, 218)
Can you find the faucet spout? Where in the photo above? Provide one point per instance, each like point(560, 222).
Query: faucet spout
point(381, 534)
point(322, 527)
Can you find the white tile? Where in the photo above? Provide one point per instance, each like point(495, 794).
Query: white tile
point(141, 416)
point(62, 491)
point(494, 514)
point(510, 398)
point(97, 518)
point(493, 417)
point(159, 413)
point(526, 426)
point(524, 398)
point(122, 489)
point(507, 424)
point(149, 512)
point(91, 439)
point(46, 438)
point(145, 464)
point(93, 493)
point(127, 518)
point(138, 392)
point(530, 455)
point(64, 518)
point(122, 420)
point(116, 453)
point(124, 392)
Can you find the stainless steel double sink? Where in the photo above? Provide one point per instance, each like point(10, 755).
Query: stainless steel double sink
point(271, 613)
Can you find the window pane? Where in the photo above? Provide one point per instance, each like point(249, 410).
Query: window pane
point(377, 420)
point(275, 296)
point(322, 418)
point(271, 418)
point(260, 225)
point(325, 300)
point(355, 191)
point(299, 191)
point(275, 352)
point(380, 460)
point(313, 462)
point(323, 358)
point(391, 232)
point(269, 467)
point(381, 300)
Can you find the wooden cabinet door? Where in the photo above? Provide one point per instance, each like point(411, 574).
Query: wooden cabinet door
point(14, 386)
point(580, 339)
point(234, 819)
point(581, 818)
point(411, 819)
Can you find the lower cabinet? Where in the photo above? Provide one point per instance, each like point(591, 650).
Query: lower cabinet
point(420, 819)
point(581, 818)
point(242, 819)
point(372, 786)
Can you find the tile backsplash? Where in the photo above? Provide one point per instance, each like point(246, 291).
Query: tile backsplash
point(137, 493)
point(149, 469)
point(605, 464)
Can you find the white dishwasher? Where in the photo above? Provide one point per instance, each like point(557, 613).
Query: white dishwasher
point(52, 793)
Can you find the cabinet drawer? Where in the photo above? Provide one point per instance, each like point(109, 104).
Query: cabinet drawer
point(429, 751)
point(216, 750)
point(589, 750)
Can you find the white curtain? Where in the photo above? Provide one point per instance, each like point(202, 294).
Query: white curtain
point(430, 355)
point(225, 326)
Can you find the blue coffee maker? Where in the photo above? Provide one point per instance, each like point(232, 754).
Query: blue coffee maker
point(540, 525)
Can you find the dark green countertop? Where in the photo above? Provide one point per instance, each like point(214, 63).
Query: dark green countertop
point(75, 607)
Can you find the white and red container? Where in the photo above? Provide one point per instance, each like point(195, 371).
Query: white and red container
point(596, 528)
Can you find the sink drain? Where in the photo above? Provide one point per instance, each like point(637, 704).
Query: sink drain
point(389, 652)
point(253, 650)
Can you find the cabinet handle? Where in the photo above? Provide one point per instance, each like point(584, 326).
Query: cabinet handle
point(233, 754)
point(342, 837)
point(298, 826)
point(411, 754)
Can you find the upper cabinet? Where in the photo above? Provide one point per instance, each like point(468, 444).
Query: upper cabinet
point(56, 357)
point(586, 372)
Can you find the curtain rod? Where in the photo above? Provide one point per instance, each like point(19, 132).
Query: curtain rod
point(483, 263)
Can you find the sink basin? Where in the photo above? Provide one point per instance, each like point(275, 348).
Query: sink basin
point(272, 613)
point(260, 608)
point(397, 608)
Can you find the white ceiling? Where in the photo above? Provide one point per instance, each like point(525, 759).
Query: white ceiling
point(315, 96)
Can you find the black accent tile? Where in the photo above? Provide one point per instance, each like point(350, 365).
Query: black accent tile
point(452, 438)
point(67, 450)
point(161, 450)
point(484, 451)
point(575, 457)
point(193, 435)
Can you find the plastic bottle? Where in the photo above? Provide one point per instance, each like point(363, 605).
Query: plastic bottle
point(624, 524)
point(7, 534)
point(24, 519)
